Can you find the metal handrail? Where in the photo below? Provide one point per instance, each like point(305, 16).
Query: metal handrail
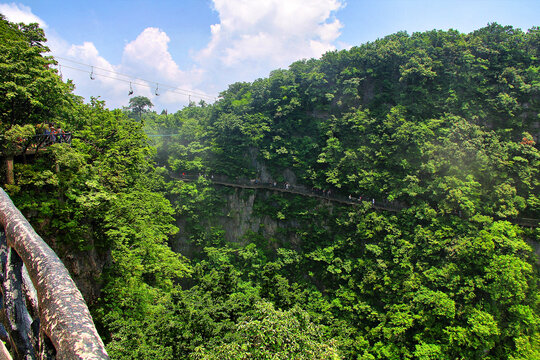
point(391, 206)
point(65, 324)
point(43, 140)
point(296, 189)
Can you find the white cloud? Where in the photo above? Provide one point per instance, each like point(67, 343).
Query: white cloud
point(149, 57)
point(251, 39)
point(146, 57)
point(88, 53)
point(107, 84)
point(20, 13)
point(151, 50)
point(272, 33)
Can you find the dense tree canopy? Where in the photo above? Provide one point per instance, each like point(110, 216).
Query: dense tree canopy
point(30, 91)
point(446, 123)
point(443, 122)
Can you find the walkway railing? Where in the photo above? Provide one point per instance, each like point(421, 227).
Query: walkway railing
point(41, 141)
point(300, 190)
point(326, 195)
point(35, 143)
point(43, 314)
point(49, 139)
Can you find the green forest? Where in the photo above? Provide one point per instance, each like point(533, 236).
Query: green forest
point(443, 123)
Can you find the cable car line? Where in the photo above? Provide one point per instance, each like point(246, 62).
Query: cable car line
point(197, 94)
point(176, 91)
point(173, 90)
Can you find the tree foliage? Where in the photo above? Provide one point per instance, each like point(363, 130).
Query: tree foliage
point(139, 105)
point(30, 90)
point(443, 122)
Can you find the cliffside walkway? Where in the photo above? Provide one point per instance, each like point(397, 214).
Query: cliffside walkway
point(43, 315)
point(330, 196)
point(299, 190)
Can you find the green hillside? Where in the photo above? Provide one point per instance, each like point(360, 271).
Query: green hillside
point(185, 264)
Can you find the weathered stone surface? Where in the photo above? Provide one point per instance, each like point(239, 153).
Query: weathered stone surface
point(15, 316)
point(65, 318)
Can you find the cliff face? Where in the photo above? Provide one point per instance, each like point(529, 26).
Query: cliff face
point(240, 218)
point(86, 268)
point(237, 219)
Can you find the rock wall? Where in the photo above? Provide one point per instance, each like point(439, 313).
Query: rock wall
point(238, 219)
point(85, 266)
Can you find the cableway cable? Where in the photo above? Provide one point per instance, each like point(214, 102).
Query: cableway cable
point(133, 79)
point(131, 82)
point(173, 90)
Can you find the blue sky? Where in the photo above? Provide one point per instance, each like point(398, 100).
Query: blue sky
point(199, 47)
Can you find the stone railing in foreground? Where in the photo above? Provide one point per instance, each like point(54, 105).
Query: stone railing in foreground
point(43, 314)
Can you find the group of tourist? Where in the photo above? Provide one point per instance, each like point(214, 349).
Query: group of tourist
point(353, 198)
point(55, 135)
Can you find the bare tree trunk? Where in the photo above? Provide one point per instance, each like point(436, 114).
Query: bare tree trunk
point(10, 178)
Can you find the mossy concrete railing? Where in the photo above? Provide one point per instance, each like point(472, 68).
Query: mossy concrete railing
point(43, 314)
